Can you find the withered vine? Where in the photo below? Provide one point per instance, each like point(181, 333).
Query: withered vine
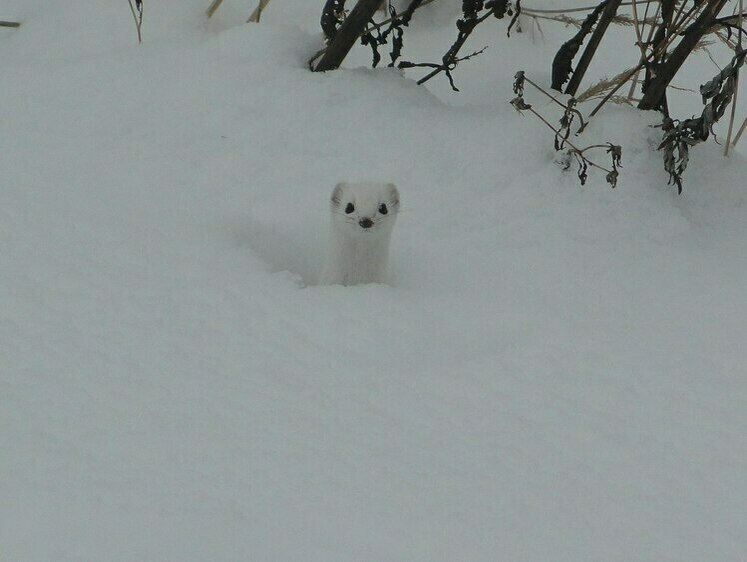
point(677, 29)
point(561, 140)
point(376, 36)
point(680, 135)
point(667, 32)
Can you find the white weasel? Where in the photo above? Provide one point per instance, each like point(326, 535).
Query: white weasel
point(362, 218)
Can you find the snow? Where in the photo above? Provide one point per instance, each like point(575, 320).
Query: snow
point(557, 372)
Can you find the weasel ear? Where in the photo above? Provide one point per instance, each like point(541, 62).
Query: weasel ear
point(393, 193)
point(337, 193)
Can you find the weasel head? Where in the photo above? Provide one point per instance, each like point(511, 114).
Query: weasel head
point(364, 209)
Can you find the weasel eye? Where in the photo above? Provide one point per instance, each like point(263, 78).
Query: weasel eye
point(382, 209)
point(349, 209)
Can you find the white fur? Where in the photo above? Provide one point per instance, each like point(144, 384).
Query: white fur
point(355, 254)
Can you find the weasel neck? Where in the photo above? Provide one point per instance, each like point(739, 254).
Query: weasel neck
point(358, 259)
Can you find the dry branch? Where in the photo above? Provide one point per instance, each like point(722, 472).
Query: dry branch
point(257, 13)
point(345, 37)
point(656, 88)
point(472, 16)
point(214, 5)
point(568, 10)
point(562, 134)
point(596, 37)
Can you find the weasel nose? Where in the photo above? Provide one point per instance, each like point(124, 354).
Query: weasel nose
point(365, 223)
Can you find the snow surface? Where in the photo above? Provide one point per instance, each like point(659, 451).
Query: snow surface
point(558, 373)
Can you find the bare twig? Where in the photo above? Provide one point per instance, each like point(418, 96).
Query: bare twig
point(563, 133)
point(656, 90)
point(214, 5)
point(739, 133)
point(138, 17)
point(596, 37)
point(725, 39)
point(539, 29)
point(636, 21)
point(619, 19)
point(451, 59)
point(661, 48)
point(445, 67)
point(568, 10)
point(642, 46)
point(569, 107)
point(257, 13)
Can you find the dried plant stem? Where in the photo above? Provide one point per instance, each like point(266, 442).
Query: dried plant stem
point(619, 19)
point(739, 133)
point(619, 85)
point(558, 102)
point(666, 71)
point(736, 86)
point(636, 21)
point(548, 94)
point(214, 5)
point(676, 17)
point(567, 10)
point(596, 37)
point(257, 13)
point(535, 22)
point(569, 143)
point(645, 59)
point(138, 20)
point(661, 48)
point(451, 56)
point(599, 89)
point(643, 47)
